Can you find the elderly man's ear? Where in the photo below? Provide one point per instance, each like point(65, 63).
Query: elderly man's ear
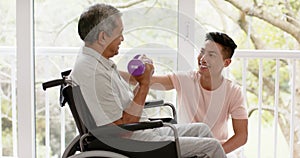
point(101, 38)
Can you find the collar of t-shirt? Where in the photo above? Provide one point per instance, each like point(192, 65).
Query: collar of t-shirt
point(107, 63)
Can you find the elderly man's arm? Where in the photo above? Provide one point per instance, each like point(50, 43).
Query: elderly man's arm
point(128, 78)
point(134, 110)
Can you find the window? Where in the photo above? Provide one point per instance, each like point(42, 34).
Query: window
point(8, 136)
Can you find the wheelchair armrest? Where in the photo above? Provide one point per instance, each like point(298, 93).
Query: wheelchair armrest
point(161, 103)
point(142, 125)
point(111, 130)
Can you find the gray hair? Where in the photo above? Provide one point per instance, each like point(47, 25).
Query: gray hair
point(97, 18)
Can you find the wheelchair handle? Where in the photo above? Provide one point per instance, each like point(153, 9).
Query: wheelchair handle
point(53, 83)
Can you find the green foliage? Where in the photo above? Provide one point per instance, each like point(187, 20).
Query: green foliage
point(295, 5)
point(7, 143)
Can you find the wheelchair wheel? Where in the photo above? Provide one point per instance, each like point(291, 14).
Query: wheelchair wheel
point(98, 154)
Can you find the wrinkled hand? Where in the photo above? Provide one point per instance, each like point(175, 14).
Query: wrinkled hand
point(144, 79)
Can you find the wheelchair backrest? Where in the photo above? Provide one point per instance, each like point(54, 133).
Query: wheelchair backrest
point(81, 113)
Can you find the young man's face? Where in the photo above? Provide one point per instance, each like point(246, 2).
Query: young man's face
point(210, 59)
point(114, 41)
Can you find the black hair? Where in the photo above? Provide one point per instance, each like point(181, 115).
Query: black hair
point(223, 39)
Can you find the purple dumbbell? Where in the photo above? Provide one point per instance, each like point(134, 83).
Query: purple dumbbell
point(136, 66)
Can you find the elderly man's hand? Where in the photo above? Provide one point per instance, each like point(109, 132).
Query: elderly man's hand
point(144, 79)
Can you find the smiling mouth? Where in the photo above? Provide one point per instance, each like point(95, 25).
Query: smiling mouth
point(204, 66)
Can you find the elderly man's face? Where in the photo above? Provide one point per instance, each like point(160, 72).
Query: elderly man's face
point(114, 41)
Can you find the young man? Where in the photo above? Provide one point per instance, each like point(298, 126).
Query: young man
point(108, 95)
point(206, 96)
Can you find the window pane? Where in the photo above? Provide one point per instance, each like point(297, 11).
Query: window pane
point(8, 137)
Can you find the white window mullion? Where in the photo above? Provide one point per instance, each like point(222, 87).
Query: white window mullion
point(25, 79)
point(186, 24)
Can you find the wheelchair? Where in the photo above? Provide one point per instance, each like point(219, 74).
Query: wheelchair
point(107, 141)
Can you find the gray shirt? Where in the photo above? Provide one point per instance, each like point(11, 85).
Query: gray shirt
point(104, 90)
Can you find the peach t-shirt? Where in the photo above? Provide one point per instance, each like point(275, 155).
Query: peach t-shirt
point(196, 104)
